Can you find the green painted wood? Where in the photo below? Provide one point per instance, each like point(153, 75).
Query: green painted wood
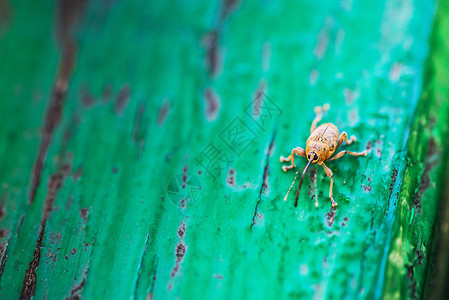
point(140, 155)
point(431, 243)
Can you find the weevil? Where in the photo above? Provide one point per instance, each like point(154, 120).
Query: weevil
point(323, 141)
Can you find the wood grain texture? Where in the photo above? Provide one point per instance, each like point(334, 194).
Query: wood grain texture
point(141, 144)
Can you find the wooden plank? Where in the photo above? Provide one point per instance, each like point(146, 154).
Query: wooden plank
point(141, 154)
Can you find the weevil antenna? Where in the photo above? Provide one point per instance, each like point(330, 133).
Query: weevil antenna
point(289, 190)
point(300, 183)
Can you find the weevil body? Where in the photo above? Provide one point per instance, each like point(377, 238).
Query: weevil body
point(320, 146)
point(323, 142)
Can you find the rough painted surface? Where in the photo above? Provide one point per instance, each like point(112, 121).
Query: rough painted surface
point(141, 144)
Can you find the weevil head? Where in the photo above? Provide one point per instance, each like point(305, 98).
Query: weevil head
point(316, 152)
point(312, 156)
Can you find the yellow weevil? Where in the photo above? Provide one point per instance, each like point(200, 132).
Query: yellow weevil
point(321, 144)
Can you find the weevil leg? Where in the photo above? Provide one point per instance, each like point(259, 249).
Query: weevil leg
point(331, 176)
point(298, 151)
point(318, 115)
point(341, 153)
point(344, 138)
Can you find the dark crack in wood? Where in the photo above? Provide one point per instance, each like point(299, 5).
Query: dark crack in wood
point(264, 185)
point(68, 14)
point(29, 282)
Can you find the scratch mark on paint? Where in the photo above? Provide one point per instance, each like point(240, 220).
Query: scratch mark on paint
point(68, 15)
point(394, 175)
point(213, 104)
point(180, 251)
point(29, 283)
point(230, 179)
point(122, 99)
point(76, 290)
point(4, 256)
point(163, 112)
point(210, 41)
point(259, 97)
point(430, 162)
point(264, 185)
point(323, 39)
